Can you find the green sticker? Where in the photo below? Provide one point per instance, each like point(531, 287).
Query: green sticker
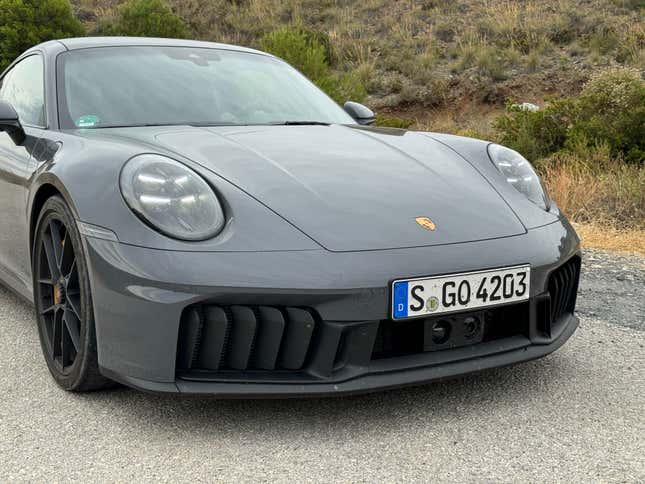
point(87, 121)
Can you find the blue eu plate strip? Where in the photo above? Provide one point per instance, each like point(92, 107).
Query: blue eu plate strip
point(400, 299)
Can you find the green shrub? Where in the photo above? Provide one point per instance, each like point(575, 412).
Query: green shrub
point(609, 111)
point(393, 122)
point(300, 50)
point(348, 87)
point(535, 134)
point(322, 38)
point(631, 48)
point(604, 40)
point(145, 18)
point(489, 61)
point(25, 23)
point(631, 4)
point(306, 53)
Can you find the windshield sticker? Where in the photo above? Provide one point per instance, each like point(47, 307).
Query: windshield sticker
point(87, 121)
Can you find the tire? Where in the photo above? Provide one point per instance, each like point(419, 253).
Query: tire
point(63, 301)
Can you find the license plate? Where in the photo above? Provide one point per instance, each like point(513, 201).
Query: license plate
point(459, 292)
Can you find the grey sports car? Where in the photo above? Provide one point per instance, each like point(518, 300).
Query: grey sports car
point(199, 218)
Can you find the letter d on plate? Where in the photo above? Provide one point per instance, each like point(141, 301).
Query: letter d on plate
point(400, 299)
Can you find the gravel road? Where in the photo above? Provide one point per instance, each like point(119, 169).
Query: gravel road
point(577, 415)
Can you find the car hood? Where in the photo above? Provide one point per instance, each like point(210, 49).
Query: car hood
point(353, 188)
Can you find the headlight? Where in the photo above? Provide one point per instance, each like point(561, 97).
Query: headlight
point(519, 173)
point(171, 198)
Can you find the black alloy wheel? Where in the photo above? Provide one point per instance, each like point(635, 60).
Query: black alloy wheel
point(63, 300)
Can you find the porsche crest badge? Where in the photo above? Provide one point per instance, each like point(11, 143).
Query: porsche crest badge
point(426, 223)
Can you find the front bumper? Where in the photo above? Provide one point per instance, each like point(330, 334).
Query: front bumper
point(141, 294)
point(465, 362)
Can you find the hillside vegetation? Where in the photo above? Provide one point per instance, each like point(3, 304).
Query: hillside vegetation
point(435, 52)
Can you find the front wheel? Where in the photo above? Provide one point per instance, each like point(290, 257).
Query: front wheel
point(63, 300)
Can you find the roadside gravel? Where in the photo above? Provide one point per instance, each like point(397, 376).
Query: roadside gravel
point(576, 415)
point(612, 288)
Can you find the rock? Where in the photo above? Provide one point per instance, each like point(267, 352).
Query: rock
point(527, 107)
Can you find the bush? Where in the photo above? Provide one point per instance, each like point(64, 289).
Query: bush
point(632, 4)
point(306, 53)
point(300, 50)
point(609, 111)
point(347, 87)
point(25, 23)
point(535, 134)
point(393, 122)
point(145, 18)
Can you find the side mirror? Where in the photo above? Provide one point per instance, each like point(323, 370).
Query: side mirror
point(10, 123)
point(362, 114)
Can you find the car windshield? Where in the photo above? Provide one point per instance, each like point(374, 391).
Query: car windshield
point(142, 86)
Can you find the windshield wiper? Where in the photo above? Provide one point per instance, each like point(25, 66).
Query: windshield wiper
point(219, 123)
point(145, 125)
point(148, 125)
point(214, 124)
point(300, 123)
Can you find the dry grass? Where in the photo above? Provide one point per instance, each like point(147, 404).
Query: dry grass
point(606, 237)
point(605, 202)
point(606, 205)
point(606, 193)
point(469, 119)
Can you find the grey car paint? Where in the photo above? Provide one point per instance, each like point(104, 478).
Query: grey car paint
point(14, 169)
point(321, 216)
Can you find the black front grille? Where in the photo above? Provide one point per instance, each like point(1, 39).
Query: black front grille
point(215, 338)
point(563, 288)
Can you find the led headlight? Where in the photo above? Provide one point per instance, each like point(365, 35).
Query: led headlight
point(519, 173)
point(171, 198)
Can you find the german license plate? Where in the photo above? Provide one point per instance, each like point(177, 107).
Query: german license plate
point(459, 292)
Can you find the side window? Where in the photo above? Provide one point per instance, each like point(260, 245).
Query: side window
point(23, 87)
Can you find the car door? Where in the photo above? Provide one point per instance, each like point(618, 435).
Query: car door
point(23, 87)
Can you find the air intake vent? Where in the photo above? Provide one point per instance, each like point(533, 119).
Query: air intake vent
point(216, 338)
point(563, 288)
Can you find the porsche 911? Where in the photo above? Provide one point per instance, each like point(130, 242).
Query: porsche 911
point(199, 218)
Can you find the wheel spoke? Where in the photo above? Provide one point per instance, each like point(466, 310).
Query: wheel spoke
point(72, 279)
point(68, 261)
point(51, 257)
point(49, 321)
point(50, 309)
point(57, 334)
point(66, 349)
point(74, 303)
point(57, 242)
point(73, 326)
